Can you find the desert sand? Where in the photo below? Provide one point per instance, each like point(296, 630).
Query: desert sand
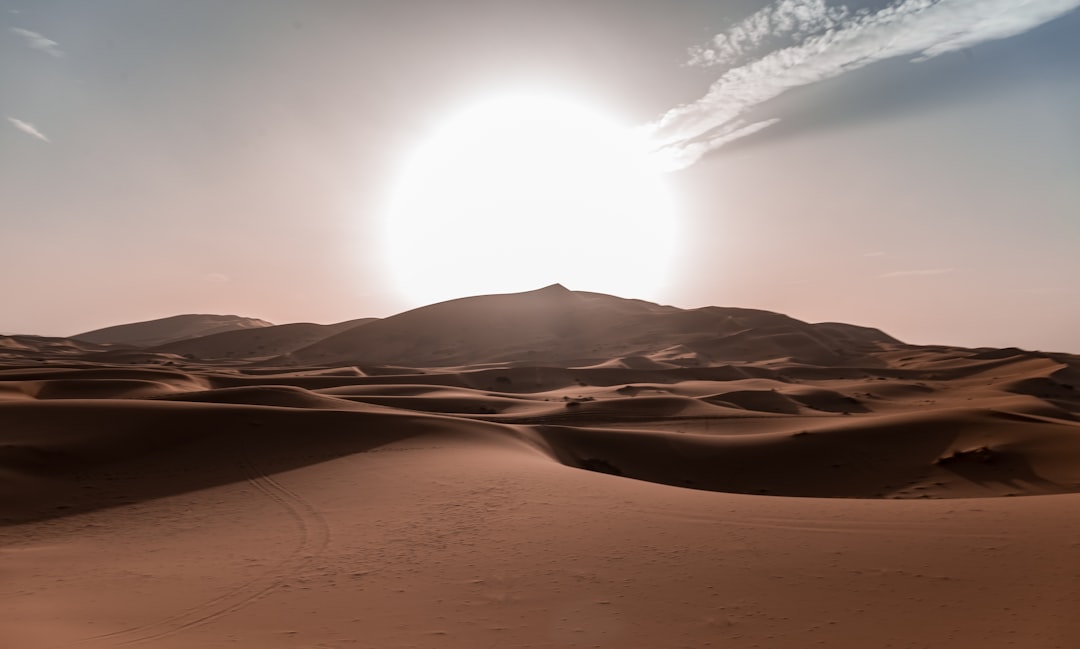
point(546, 469)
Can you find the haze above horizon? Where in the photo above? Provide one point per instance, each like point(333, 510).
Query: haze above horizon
point(908, 165)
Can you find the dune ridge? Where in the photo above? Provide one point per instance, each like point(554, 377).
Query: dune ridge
point(571, 469)
point(558, 326)
point(828, 410)
point(262, 342)
point(164, 330)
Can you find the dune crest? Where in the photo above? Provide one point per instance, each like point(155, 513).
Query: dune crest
point(563, 469)
point(718, 399)
point(165, 330)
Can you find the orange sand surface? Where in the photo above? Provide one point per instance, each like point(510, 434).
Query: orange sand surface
point(666, 495)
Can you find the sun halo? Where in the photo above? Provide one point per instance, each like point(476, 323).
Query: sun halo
point(523, 190)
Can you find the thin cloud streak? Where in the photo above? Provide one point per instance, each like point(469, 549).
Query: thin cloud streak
point(927, 272)
point(28, 128)
point(830, 42)
point(670, 159)
point(39, 42)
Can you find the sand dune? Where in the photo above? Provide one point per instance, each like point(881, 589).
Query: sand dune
point(165, 330)
point(32, 349)
point(262, 342)
point(771, 484)
point(556, 326)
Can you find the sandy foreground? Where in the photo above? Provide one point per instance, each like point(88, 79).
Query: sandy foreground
point(928, 499)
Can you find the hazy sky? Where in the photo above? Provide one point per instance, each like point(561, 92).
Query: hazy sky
point(910, 165)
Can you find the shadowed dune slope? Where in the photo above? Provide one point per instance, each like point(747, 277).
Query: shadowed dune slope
point(29, 349)
point(275, 340)
point(124, 451)
point(828, 410)
point(554, 325)
point(552, 469)
point(963, 453)
point(973, 431)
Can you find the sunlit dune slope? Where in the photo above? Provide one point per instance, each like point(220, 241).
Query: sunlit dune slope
point(716, 399)
point(548, 469)
point(908, 422)
point(164, 330)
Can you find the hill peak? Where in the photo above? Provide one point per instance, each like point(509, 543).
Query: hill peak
point(556, 325)
point(553, 289)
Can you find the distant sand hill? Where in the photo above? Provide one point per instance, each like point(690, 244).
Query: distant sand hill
point(547, 469)
point(166, 330)
point(557, 326)
point(258, 342)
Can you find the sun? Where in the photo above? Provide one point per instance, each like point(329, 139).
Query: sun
point(524, 190)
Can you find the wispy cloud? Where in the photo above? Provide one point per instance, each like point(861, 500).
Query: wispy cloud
point(28, 128)
point(785, 18)
point(826, 42)
point(925, 272)
point(39, 42)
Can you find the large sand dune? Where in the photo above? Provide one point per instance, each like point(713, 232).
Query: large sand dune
point(258, 342)
point(563, 470)
point(166, 330)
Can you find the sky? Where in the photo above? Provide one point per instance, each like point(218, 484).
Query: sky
point(911, 165)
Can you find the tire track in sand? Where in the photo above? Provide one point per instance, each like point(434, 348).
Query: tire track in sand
point(312, 538)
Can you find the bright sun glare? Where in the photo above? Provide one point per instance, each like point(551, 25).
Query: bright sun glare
point(522, 191)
